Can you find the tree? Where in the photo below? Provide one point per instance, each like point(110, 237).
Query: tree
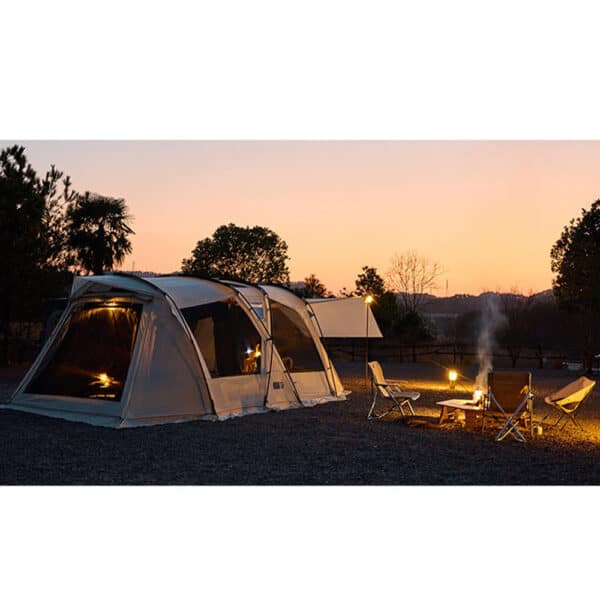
point(412, 276)
point(253, 254)
point(344, 293)
point(58, 254)
point(386, 312)
point(32, 246)
point(575, 260)
point(515, 333)
point(385, 307)
point(411, 328)
point(314, 288)
point(369, 282)
point(98, 232)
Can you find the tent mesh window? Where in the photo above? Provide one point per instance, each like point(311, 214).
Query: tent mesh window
point(293, 340)
point(227, 338)
point(91, 355)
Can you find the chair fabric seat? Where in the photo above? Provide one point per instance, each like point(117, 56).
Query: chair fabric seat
point(569, 399)
point(410, 395)
point(510, 402)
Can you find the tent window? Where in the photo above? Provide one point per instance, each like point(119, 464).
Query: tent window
point(227, 338)
point(258, 309)
point(293, 340)
point(91, 355)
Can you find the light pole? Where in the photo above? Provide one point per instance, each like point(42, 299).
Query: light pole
point(368, 300)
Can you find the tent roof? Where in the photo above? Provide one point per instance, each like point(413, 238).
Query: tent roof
point(185, 291)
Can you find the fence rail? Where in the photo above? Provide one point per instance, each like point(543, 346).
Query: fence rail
point(456, 354)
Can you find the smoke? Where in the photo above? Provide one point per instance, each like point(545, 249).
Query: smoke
point(492, 321)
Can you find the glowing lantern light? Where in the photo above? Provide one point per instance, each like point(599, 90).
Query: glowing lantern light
point(452, 377)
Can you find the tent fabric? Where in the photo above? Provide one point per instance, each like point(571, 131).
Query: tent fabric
point(292, 324)
point(167, 378)
point(345, 318)
point(318, 385)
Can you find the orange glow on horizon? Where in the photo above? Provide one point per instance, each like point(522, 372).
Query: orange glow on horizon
point(488, 212)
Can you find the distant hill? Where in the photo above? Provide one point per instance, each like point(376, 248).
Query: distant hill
point(462, 303)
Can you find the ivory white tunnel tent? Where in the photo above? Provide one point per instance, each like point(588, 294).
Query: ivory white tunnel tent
point(296, 334)
point(130, 351)
point(345, 318)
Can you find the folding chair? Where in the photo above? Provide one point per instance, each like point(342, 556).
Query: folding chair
point(509, 401)
point(567, 400)
point(389, 390)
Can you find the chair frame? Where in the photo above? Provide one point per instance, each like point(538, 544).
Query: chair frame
point(390, 390)
point(524, 409)
point(563, 414)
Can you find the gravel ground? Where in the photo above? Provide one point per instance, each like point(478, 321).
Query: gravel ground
point(332, 444)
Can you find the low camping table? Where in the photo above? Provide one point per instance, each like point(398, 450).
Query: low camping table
point(472, 411)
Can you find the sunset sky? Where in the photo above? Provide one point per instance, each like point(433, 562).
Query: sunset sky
point(487, 211)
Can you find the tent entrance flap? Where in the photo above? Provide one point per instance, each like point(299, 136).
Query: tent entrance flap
point(293, 340)
point(91, 354)
point(227, 338)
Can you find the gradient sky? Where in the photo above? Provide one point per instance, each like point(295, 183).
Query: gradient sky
point(489, 212)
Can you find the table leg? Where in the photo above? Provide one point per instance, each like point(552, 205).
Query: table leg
point(443, 415)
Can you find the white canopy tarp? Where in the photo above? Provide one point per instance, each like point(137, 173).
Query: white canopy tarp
point(345, 318)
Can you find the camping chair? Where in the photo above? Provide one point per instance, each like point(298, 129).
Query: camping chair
point(390, 390)
point(509, 401)
point(567, 400)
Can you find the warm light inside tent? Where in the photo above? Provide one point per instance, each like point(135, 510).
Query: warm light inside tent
point(103, 380)
point(253, 353)
point(106, 383)
point(250, 364)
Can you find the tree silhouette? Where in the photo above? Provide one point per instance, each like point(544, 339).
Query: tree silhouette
point(369, 282)
point(514, 336)
point(98, 232)
point(314, 288)
point(32, 248)
point(385, 307)
point(575, 259)
point(253, 254)
point(412, 276)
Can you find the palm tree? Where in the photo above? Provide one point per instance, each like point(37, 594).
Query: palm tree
point(98, 232)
